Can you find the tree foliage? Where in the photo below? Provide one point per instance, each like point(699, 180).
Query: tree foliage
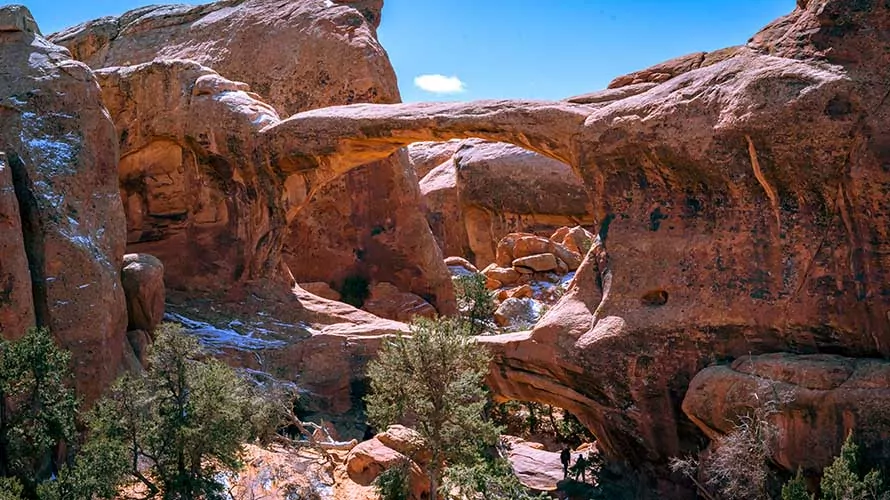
point(475, 303)
point(394, 483)
point(842, 480)
point(796, 488)
point(37, 409)
point(433, 382)
point(489, 478)
point(185, 419)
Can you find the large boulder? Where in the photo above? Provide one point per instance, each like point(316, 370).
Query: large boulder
point(388, 302)
point(487, 190)
point(814, 402)
point(364, 224)
point(370, 458)
point(143, 281)
point(60, 173)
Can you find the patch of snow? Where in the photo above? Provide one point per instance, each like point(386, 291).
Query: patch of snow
point(565, 280)
point(218, 338)
point(457, 271)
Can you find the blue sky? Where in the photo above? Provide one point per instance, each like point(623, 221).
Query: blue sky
point(485, 49)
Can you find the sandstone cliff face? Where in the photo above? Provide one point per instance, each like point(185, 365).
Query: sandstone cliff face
point(363, 224)
point(487, 190)
point(740, 207)
point(59, 205)
point(194, 196)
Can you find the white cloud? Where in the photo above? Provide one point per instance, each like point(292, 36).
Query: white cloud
point(440, 84)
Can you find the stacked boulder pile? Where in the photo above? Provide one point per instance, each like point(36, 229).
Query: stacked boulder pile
point(531, 272)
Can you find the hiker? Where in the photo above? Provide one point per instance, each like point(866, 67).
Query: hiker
point(580, 468)
point(565, 457)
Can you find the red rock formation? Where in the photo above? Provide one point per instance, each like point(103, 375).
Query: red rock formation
point(743, 195)
point(16, 301)
point(364, 224)
point(816, 401)
point(194, 196)
point(488, 190)
point(143, 280)
point(62, 156)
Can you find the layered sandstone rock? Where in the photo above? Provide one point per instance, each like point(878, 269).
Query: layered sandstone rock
point(388, 302)
point(814, 401)
point(364, 224)
point(706, 198)
point(488, 190)
point(194, 196)
point(60, 173)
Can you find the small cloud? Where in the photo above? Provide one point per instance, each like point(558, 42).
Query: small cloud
point(440, 84)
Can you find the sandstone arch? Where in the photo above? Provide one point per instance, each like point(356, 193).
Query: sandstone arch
point(320, 145)
point(745, 187)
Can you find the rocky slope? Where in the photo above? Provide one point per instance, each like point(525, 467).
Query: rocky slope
point(739, 205)
point(363, 224)
point(61, 218)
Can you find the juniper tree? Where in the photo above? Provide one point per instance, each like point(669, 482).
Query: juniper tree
point(432, 381)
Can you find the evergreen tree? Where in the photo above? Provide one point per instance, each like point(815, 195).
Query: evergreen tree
point(475, 303)
point(185, 418)
point(37, 409)
point(841, 480)
point(796, 488)
point(432, 380)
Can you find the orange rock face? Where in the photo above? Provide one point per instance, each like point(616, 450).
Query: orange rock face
point(365, 224)
point(60, 171)
point(388, 302)
point(193, 194)
point(143, 280)
point(16, 301)
point(821, 399)
point(487, 190)
point(368, 459)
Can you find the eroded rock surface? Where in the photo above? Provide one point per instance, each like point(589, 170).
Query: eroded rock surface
point(814, 401)
point(710, 207)
point(194, 196)
point(60, 171)
point(488, 190)
point(363, 224)
point(143, 281)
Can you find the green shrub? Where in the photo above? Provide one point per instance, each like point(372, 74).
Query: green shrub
point(40, 408)
point(184, 419)
point(842, 479)
point(475, 303)
point(432, 380)
point(394, 483)
point(796, 488)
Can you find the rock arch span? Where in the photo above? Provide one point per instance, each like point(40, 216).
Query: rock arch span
point(741, 187)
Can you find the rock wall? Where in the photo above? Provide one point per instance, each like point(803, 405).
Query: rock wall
point(363, 224)
point(193, 194)
point(59, 205)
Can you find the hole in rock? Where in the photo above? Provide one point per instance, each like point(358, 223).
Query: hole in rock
point(355, 290)
point(655, 298)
